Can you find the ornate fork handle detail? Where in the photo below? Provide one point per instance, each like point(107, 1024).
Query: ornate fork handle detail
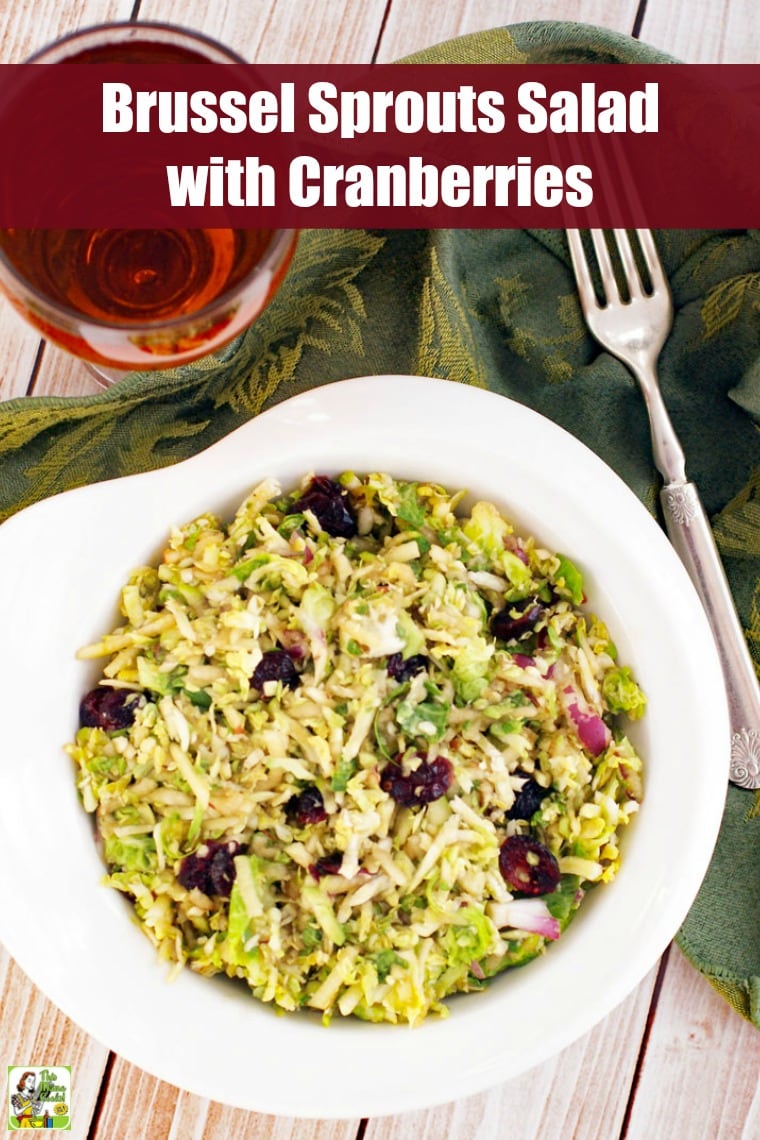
point(745, 758)
point(681, 501)
point(691, 535)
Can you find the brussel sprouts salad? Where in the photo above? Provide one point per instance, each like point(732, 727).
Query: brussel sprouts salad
point(360, 747)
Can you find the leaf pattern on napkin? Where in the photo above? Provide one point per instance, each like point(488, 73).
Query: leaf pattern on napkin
point(446, 347)
point(753, 632)
point(723, 304)
point(494, 46)
point(530, 338)
point(737, 527)
point(325, 310)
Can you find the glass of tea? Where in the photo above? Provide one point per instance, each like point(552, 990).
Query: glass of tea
point(141, 299)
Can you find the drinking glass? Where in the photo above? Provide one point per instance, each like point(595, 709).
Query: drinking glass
point(141, 299)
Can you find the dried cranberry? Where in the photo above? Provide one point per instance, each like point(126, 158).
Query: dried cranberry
point(404, 670)
point(306, 807)
point(328, 501)
point(327, 865)
point(210, 869)
point(517, 618)
point(528, 800)
point(108, 708)
point(428, 782)
point(527, 866)
point(275, 665)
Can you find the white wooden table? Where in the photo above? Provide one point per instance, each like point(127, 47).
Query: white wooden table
point(674, 1061)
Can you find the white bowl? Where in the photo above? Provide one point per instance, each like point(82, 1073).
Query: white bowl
point(62, 563)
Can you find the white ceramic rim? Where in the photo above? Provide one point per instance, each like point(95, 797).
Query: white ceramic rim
point(61, 564)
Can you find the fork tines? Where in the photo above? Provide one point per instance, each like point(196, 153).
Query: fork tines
point(637, 283)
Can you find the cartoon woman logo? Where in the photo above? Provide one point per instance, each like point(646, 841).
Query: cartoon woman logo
point(28, 1103)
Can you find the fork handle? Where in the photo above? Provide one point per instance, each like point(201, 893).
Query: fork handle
point(692, 538)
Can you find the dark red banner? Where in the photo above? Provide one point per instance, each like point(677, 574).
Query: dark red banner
point(95, 145)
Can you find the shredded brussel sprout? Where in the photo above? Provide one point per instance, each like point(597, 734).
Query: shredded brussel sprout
point(325, 745)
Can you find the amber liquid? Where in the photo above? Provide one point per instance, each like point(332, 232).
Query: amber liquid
point(111, 281)
point(134, 276)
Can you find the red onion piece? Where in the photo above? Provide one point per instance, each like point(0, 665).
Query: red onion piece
point(531, 915)
point(592, 731)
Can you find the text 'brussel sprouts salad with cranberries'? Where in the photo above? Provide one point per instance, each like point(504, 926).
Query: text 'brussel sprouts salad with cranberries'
point(358, 747)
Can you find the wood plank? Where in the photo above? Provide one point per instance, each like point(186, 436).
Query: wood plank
point(141, 1107)
point(20, 347)
point(34, 1032)
point(31, 24)
point(704, 31)
point(583, 1092)
point(59, 374)
point(281, 31)
point(701, 1073)
point(415, 24)
point(223, 1122)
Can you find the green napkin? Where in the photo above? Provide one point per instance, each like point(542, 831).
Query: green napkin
point(496, 309)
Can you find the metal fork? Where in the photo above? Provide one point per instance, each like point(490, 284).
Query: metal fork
point(634, 328)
